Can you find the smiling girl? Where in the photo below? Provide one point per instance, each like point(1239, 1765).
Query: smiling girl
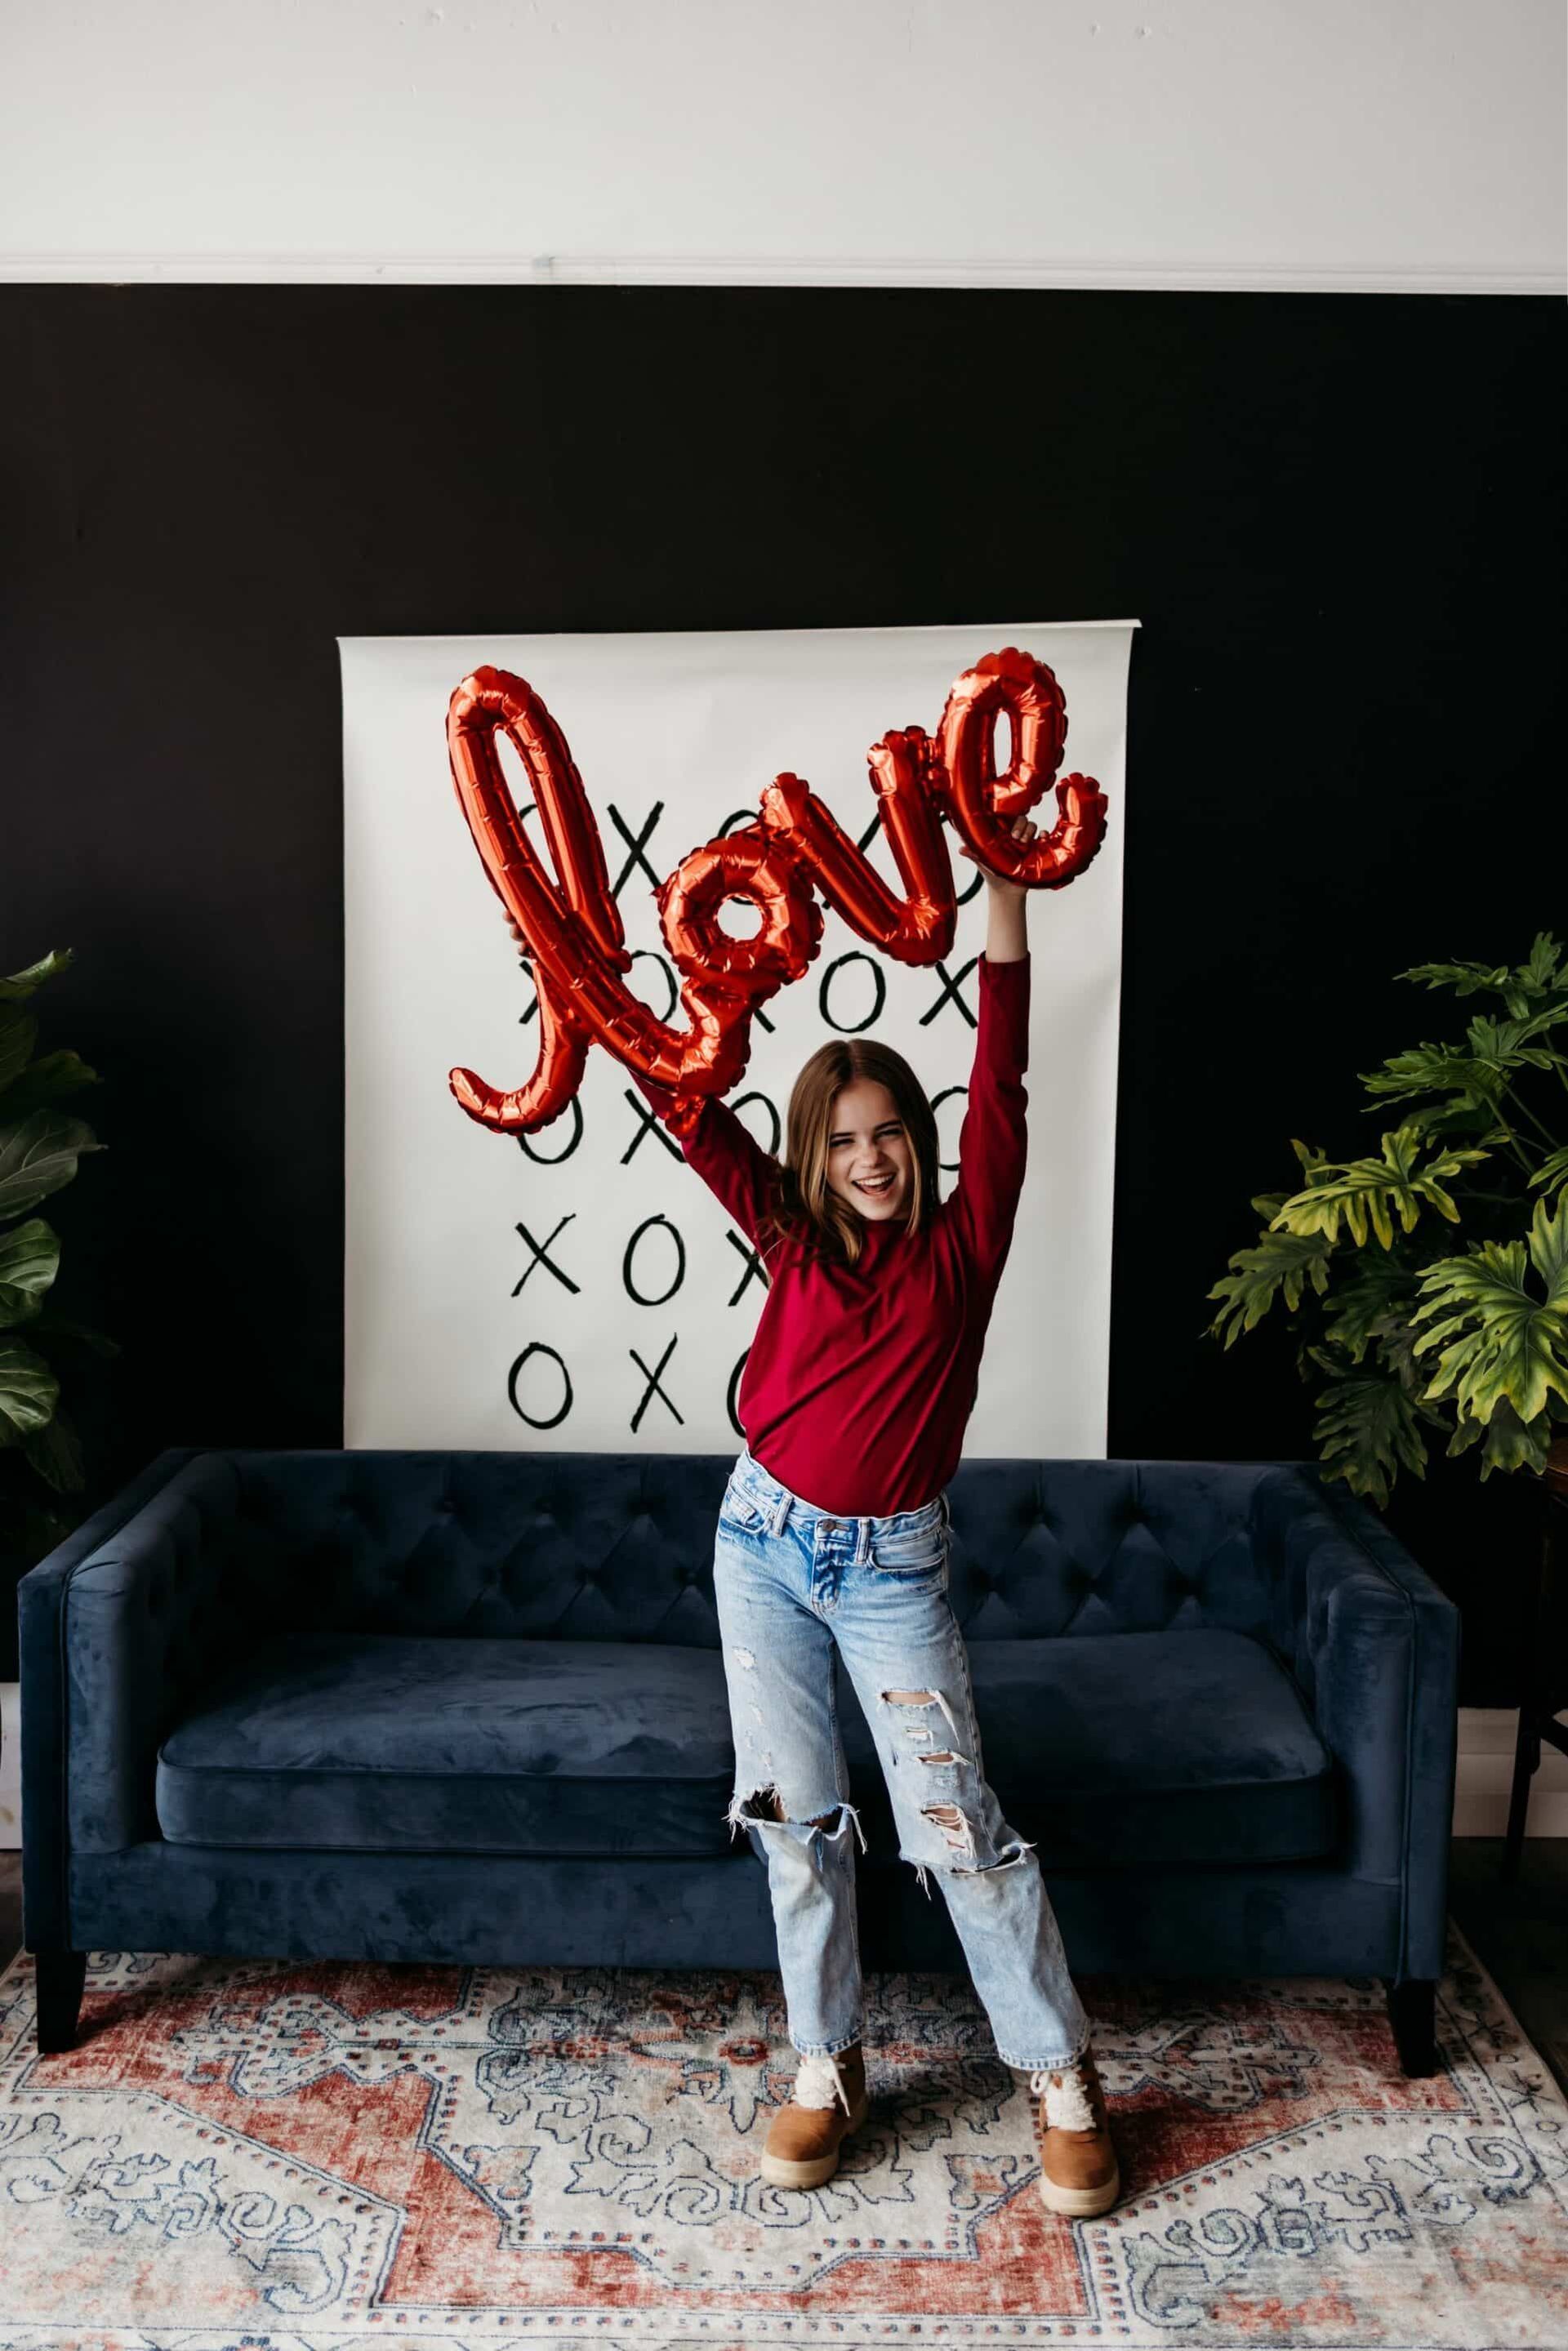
point(833, 1533)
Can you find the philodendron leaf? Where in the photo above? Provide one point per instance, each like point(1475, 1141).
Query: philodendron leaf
point(1464, 979)
point(1363, 1189)
point(1507, 1442)
point(28, 1391)
point(22, 983)
point(1549, 1250)
point(1552, 1171)
point(1374, 1289)
point(55, 1452)
point(1457, 1118)
point(1366, 1428)
point(1545, 955)
point(1479, 1070)
point(1280, 1262)
point(1504, 1340)
point(1394, 1336)
point(30, 1260)
point(1505, 1044)
point(1440, 1069)
point(38, 1156)
point(1522, 989)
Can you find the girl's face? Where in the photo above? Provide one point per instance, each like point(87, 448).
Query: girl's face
point(870, 1162)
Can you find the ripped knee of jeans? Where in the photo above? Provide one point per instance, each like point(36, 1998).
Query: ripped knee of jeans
point(761, 1804)
point(1008, 1858)
point(958, 1834)
point(764, 1808)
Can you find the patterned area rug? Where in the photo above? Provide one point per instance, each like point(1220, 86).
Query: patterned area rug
point(313, 2158)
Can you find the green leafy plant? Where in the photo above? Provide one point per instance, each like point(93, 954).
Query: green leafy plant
point(1414, 1333)
point(40, 1147)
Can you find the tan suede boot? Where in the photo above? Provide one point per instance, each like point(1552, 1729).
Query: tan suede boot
point(828, 2101)
point(1078, 2174)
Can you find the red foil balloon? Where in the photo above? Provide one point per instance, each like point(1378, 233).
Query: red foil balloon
point(794, 848)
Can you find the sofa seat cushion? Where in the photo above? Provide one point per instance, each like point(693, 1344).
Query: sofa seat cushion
point(1124, 1751)
point(398, 1743)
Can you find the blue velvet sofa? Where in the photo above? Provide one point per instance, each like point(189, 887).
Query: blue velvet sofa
point(469, 1708)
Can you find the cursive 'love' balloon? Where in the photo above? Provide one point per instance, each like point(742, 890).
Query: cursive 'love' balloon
point(791, 852)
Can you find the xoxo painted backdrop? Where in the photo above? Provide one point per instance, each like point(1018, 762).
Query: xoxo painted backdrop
point(579, 1288)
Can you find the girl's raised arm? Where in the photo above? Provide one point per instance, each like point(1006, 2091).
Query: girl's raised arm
point(993, 1142)
point(730, 1161)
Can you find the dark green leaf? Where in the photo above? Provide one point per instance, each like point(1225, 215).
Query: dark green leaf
point(1369, 1288)
point(55, 1452)
point(1366, 1429)
point(39, 1155)
point(28, 1390)
point(22, 982)
point(30, 1260)
point(1280, 1262)
point(18, 1035)
point(1504, 1340)
point(1363, 1189)
point(45, 1080)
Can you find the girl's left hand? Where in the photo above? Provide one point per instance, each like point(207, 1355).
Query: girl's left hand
point(1022, 828)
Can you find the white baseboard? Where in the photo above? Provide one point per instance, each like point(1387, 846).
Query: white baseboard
point(10, 1767)
point(1483, 1774)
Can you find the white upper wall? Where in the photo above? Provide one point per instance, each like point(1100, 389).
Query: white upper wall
point(1363, 144)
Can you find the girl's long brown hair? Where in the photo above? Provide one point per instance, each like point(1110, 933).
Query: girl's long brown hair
point(806, 1209)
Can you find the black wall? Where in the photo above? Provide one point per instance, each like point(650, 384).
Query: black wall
point(1338, 517)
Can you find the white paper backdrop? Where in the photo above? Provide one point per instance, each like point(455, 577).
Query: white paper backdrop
point(581, 1288)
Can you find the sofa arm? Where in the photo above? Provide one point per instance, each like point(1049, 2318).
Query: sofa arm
point(114, 1631)
point(40, 1614)
point(1374, 1646)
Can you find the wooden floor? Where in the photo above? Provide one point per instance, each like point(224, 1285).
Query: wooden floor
point(1519, 1932)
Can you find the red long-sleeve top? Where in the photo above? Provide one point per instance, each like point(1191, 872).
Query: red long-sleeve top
point(861, 1379)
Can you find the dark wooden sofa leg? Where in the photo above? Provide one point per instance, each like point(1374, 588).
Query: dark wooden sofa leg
point(60, 1977)
point(1413, 2014)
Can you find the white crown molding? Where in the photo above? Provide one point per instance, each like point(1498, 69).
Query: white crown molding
point(627, 269)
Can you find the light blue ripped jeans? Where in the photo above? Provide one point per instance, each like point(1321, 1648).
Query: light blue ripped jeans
point(790, 1581)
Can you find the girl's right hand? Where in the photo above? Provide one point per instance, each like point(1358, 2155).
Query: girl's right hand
point(1022, 827)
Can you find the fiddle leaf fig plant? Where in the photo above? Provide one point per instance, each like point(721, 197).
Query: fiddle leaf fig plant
point(1429, 1281)
point(41, 1147)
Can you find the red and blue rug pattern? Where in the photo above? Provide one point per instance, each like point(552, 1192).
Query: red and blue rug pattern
point(260, 2156)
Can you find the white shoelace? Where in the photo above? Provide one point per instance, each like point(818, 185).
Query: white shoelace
point(819, 2083)
point(1065, 2091)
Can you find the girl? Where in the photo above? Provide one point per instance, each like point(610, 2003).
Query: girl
point(834, 1532)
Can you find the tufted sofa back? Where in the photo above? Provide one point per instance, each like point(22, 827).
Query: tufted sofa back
point(597, 1546)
